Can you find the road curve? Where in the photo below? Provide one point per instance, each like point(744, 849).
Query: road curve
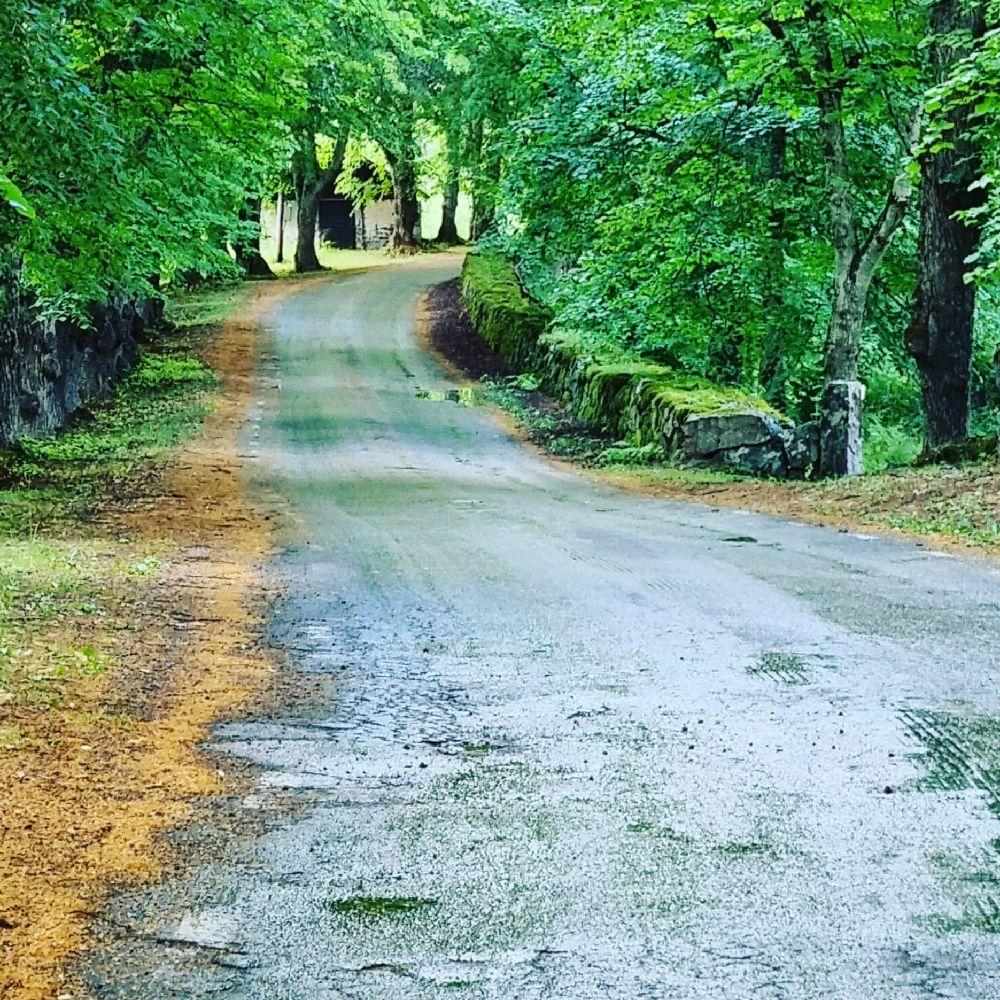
point(580, 744)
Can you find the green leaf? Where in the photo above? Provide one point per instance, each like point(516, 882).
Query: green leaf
point(11, 193)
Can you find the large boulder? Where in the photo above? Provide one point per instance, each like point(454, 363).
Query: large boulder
point(706, 434)
point(748, 441)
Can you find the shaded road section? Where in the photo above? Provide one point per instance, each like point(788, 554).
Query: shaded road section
point(580, 744)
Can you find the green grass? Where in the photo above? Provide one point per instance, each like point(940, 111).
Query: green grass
point(669, 475)
point(192, 309)
point(334, 260)
point(41, 577)
point(47, 586)
point(161, 402)
point(949, 524)
point(381, 906)
point(551, 427)
point(54, 570)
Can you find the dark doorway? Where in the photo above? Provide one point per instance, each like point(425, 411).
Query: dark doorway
point(336, 223)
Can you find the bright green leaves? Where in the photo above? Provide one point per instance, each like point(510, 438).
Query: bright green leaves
point(11, 194)
point(665, 175)
point(136, 131)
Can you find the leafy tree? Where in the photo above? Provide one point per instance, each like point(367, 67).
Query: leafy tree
point(137, 131)
point(727, 188)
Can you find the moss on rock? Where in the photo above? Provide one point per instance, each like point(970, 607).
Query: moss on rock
point(692, 419)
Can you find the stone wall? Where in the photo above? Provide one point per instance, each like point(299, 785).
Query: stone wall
point(694, 421)
point(375, 224)
point(50, 368)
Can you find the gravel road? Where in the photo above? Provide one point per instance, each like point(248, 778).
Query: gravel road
point(580, 744)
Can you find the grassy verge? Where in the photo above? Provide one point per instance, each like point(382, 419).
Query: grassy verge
point(51, 483)
point(333, 260)
point(549, 425)
point(54, 569)
point(956, 505)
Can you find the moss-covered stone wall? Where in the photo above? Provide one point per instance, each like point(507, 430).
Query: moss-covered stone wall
point(695, 421)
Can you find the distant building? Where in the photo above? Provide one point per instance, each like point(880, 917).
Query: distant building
point(342, 225)
point(339, 223)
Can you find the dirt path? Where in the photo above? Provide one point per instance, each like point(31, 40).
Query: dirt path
point(92, 785)
point(580, 743)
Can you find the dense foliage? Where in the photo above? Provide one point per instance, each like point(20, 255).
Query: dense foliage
point(134, 130)
point(668, 184)
point(737, 190)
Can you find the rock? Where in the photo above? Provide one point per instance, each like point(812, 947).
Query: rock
point(767, 459)
point(802, 449)
point(840, 450)
point(704, 435)
point(748, 441)
point(630, 397)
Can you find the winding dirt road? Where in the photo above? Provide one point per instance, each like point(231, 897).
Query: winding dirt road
point(579, 744)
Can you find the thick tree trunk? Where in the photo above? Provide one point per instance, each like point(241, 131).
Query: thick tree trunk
point(940, 336)
point(307, 211)
point(448, 233)
point(405, 205)
point(309, 183)
point(247, 250)
point(841, 407)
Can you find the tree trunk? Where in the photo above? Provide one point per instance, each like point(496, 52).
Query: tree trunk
point(940, 336)
point(856, 261)
point(307, 211)
point(405, 206)
point(309, 183)
point(247, 250)
point(448, 233)
point(280, 214)
point(841, 406)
